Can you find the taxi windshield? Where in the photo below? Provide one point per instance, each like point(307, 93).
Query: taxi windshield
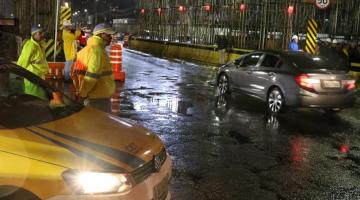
point(26, 103)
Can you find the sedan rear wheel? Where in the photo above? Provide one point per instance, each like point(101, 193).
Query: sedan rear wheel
point(223, 84)
point(275, 101)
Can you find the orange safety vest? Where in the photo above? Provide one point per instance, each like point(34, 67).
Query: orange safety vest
point(91, 72)
point(78, 71)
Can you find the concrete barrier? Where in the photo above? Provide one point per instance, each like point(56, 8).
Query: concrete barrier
point(200, 53)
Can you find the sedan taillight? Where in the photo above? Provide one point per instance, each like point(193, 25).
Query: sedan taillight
point(306, 83)
point(350, 85)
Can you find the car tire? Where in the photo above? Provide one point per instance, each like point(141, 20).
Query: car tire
point(223, 84)
point(275, 101)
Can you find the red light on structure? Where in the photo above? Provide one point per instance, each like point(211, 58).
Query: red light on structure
point(290, 10)
point(182, 8)
point(159, 10)
point(242, 7)
point(344, 148)
point(207, 8)
point(142, 11)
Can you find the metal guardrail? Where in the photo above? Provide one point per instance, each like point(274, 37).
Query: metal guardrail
point(355, 67)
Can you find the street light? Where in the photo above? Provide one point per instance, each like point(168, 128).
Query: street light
point(66, 4)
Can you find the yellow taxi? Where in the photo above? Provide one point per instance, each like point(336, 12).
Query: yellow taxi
point(58, 151)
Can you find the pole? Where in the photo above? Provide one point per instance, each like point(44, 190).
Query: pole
point(56, 25)
point(336, 17)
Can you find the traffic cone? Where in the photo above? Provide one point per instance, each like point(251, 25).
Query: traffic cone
point(116, 62)
point(55, 70)
point(115, 105)
point(115, 100)
point(126, 40)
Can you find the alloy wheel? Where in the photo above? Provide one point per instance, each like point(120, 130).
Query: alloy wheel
point(275, 101)
point(223, 84)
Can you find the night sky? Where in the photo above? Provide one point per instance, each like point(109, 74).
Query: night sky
point(124, 4)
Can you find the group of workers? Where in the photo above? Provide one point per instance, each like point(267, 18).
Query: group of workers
point(89, 69)
point(341, 54)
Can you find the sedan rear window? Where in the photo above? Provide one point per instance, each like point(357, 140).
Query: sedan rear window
point(251, 60)
point(304, 61)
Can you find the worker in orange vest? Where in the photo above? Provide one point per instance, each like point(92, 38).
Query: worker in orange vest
point(92, 74)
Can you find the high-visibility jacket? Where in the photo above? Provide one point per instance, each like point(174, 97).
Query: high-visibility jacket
point(92, 74)
point(293, 46)
point(345, 51)
point(69, 39)
point(33, 59)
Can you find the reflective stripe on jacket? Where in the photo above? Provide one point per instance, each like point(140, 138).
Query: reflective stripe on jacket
point(69, 39)
point(94, 65)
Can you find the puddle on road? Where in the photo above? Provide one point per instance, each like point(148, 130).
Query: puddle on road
point(172, 78)
point(139, 88)
point(175, 105)
point(160, 93)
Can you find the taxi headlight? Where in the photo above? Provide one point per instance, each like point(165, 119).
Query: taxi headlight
point(87, 182)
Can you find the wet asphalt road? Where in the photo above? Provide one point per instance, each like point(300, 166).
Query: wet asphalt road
point(229, 148)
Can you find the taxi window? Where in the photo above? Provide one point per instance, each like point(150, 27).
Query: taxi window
point(25, 103)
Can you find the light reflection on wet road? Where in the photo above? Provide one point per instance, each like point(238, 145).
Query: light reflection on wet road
point(229, 148)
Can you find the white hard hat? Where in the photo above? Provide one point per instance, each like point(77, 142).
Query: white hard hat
point(328, 40)
point(103, 28)
point(334, 41)
point(295, 37)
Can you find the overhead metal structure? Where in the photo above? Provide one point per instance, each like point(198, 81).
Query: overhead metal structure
point(31, 12)
point(254, 24)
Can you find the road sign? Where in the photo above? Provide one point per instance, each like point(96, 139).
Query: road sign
point(322, 4)
point(310, 46)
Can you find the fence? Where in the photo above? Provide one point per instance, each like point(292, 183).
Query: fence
point(255, 24)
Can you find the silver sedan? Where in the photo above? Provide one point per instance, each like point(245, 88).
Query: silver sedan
point(294, 79)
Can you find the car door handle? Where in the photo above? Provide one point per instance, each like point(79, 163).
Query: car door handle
point(271, 74)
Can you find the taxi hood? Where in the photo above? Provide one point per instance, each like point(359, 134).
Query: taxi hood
point(88, 140)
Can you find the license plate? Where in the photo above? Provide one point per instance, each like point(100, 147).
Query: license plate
point(161, 189)
point(332, 84)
